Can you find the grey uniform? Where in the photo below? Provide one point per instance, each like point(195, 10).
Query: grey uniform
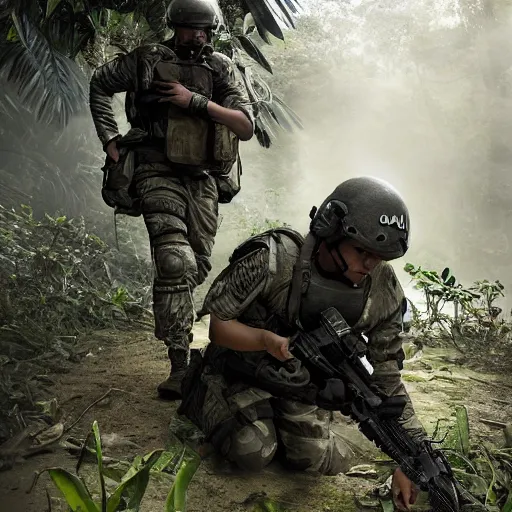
point(246, 424)
point(180, 205)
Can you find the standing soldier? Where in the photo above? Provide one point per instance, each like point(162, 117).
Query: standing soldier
point(187, 110)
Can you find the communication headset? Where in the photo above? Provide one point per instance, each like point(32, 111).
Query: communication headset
point(327, 220)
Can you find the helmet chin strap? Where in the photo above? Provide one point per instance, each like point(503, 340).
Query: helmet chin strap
point(341, 268)
point(335, 246)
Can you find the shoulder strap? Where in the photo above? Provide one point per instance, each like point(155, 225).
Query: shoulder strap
point(264, 240)
point(295, 236)
point(300, 279)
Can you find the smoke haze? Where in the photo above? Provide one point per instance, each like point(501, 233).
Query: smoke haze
point(416, 93)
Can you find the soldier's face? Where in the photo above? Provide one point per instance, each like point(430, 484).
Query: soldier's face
point(186, 36)
point(359, 261)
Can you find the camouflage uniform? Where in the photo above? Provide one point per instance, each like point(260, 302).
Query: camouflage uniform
point(179, 204)
point(247, 424)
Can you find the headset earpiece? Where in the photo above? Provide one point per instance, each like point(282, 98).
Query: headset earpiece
point(328, 218)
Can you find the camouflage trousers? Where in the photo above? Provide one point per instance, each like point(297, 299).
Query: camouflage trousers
point(180, 213)
point(249, 427)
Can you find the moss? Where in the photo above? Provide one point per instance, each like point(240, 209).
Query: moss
point(334, 500)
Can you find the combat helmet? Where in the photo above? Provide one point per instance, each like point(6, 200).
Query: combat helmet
point(368, 210)
point(198, 14)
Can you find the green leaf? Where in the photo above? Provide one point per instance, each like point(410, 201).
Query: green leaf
point(267, 505)
point(167, 462)
point(133, 486)
point(387, 505)
point(12, 35)
point(177, 498)
point(99, 458)
point(75, 492)
point(475, 484)
point(508, 505)
point(461, 413)
point(408, 267)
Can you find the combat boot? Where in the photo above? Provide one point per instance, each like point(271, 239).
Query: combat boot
point(170, 388)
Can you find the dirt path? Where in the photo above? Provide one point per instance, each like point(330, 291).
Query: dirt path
point(135, 363)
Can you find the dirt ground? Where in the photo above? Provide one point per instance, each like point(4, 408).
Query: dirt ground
point(135, 362)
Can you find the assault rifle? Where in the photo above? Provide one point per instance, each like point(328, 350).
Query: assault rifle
point(332, 355)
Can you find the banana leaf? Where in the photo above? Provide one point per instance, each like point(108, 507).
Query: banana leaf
point(74, 491)
point(133, 486)
point(99, 459)
point(177, 498)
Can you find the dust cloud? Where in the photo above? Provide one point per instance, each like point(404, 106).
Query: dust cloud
point(414, 92)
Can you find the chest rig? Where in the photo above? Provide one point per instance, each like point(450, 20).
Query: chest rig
point(192, 141)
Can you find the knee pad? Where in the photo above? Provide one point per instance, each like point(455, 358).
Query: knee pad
point(174, 263)
point(329, 456)
point(253, 446)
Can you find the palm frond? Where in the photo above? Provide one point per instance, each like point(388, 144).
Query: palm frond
point(6, 7)
point(154, 12)
point(270, 15)
point(281, 107)
point(68, 31)
point(268, 120)
point(48, 83)
point(269, 110)
point(253, 51)
point(59, 27)
point(261, 133)
point(281, 117)
point(84, 32)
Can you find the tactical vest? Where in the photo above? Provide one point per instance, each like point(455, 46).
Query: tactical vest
point(191, 142)
point(301, 305)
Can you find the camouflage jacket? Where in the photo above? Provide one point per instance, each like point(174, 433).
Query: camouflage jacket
point(133, 73)
point(255, 290)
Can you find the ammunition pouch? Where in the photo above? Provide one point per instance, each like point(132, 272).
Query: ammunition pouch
point(192, 139)
point(117, 188)
point(228, 182)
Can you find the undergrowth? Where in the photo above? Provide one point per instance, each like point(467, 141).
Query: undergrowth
point(58, 281)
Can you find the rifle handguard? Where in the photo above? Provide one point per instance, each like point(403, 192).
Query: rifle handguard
point(391, 408)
